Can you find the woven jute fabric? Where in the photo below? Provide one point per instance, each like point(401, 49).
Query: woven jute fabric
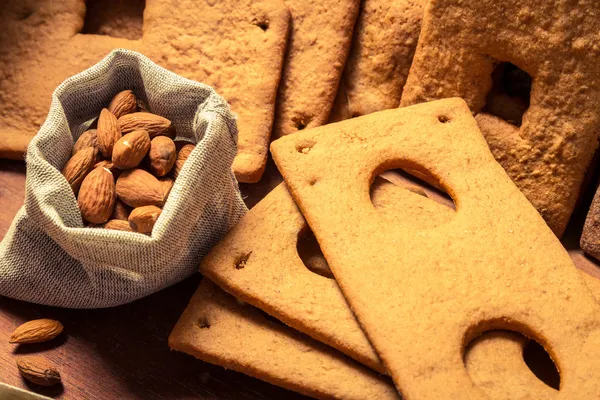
point(49, 257)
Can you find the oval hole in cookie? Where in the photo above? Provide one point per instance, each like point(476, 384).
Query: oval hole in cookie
point(510, 94)
point(406, 194)
point(311, 255)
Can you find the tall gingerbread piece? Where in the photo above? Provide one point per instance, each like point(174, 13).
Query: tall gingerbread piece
point(558, 44)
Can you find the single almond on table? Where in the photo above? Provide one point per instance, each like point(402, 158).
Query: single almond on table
point(87, 139)
point(131, 149)
point(162, 155)
point(38, 370)
point(36, 331)
point(182, 156)
point(167, 184)
point(79, 166)
point(121, 211)
point(97, 196)
point(118, 224)
point(154, 124)
point(138, 188)
point(142, 219)
point(108, 132)
point(123, 103)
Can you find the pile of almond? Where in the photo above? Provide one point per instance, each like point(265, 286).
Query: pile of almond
point(123, 171)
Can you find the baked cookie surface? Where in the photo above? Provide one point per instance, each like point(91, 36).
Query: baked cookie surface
point(217, 328)
point(319, 43)
point(384, 43)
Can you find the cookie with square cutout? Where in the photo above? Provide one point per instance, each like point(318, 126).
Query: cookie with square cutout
point(556, 43)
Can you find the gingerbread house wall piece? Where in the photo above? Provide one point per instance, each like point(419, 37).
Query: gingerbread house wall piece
point(558, 44)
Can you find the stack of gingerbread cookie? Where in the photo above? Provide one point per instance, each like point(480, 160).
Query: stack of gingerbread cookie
point(343, 284)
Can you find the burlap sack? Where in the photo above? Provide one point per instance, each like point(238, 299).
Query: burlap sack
point(48, 256)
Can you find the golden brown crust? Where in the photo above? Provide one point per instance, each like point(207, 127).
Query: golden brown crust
point(384, 43)
point(495, 265)
point(556, 43)
point(320, 37)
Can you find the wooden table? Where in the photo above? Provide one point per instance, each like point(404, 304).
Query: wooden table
point(122, 352)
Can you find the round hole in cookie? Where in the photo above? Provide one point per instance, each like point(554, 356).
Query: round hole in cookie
point(443, 119)
point(311, 255)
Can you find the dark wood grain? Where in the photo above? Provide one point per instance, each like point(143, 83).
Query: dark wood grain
point(122, 352)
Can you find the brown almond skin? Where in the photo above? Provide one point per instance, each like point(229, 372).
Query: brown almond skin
point(79, 166)
point(162, 155)
point(87, 139)
point(121, 211)
point(142, 219)
point(137, 188)
point(108, 164)
point(108, 132)
point(123, 103)
point(182, 156)
point(154, 124)
point(131, 149)
point(36, 331)
point(97, 196)
point(118, 225)
point(38, 370)
point(167, 184)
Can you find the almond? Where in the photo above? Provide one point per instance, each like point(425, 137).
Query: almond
point(121, 211)
point(142, 219)
point(79, 166)
point(87, 139)
point(118, 224)
point(182, 156)
point(138, 188)
point(154, 124)
point(162, 155)
point(36, 331)
point(166, 184)
point(97, 196)
point(109, 166)
point(123, 103)
point(108, 132)
point(38, 370)
point(131, 149)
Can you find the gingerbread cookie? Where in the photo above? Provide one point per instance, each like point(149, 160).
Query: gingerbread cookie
point(556, 43)
point(235, 46)
point(41, 46)
point(422, 293)
point(272, 271)
point(384, 43)
point(319, 43)
point(217, 328)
